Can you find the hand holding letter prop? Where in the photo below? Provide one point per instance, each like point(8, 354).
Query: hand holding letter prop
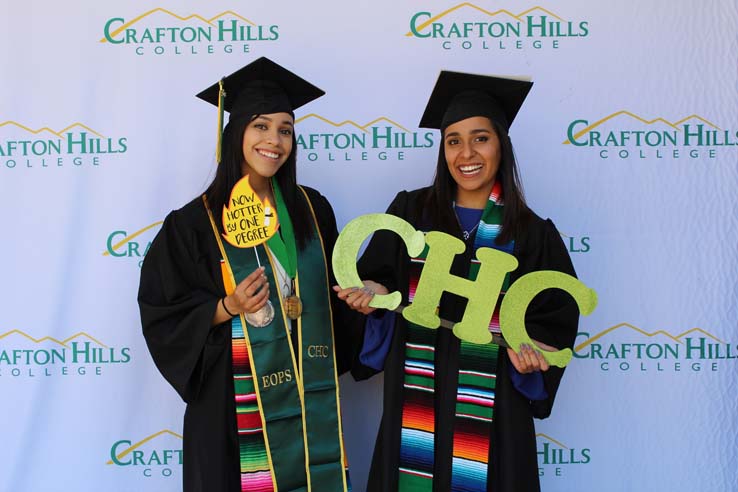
point(349, 241)
point(436, 279)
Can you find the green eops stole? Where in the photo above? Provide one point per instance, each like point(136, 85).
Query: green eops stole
point(287, 405)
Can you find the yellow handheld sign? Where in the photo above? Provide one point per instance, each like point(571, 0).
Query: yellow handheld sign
point(248, 221)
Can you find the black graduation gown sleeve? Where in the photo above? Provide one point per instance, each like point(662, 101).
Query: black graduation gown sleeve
point(553, 316)
point(180, 287)
point(178, 296)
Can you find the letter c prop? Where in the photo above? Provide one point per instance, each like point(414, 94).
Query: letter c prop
point(350, 240)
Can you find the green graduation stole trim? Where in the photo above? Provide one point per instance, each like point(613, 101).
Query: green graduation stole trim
point(318, 365)
point(293, 392)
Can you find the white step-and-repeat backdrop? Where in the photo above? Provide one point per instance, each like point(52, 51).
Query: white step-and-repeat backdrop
point(627, 140)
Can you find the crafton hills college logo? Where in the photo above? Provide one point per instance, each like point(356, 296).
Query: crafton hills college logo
point(23, 356)
point(554, 456)
point(121, 244)
point(627, 135)
point(157, 455)
point(628, 348)
point(76, 146)
point(577, 244)
point(467, 26)
point(379, 139)
point(160, 32)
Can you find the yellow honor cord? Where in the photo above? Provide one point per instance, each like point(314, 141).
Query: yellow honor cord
point(221, 103)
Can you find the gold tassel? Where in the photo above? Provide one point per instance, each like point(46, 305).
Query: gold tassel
point(221, 104)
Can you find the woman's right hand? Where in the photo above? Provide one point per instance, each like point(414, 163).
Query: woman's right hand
point(250, 295)
point(357, 298)
point(530, 359)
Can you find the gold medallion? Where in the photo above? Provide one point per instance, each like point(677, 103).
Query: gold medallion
point(293, 307)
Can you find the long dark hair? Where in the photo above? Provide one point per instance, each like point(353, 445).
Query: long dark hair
point(442, 193)
point(229, 172)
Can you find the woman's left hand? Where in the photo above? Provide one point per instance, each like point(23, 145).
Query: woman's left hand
point(358, 299)
point(530, 359)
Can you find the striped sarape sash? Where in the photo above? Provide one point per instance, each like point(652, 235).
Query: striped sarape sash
point(475, 393)
point(255, 470)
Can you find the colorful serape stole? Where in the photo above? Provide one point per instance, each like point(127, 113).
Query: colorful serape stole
point(475, 395)
point(418, 417)
point(254, 462)
point(255, 473)
point(475, 400)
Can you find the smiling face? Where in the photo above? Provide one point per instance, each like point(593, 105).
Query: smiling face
point(472, 151)
point(267, 143)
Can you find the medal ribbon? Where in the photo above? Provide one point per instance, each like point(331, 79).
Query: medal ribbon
point(283, 243)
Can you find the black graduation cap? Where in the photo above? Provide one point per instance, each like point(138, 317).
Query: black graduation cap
point(261, 87)
point(458, 96)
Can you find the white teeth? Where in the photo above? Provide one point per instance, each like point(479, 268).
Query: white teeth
point(271, 155)
point(470, 169)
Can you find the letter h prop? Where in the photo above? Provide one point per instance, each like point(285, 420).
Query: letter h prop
point(482, 293)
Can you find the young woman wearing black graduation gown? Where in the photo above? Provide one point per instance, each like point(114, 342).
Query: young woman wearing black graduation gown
point(248, 409)
point(430, 437)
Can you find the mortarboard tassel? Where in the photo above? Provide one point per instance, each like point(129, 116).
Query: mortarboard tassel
point(221, 104)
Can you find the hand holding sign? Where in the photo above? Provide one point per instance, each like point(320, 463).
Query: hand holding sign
point(246, 220)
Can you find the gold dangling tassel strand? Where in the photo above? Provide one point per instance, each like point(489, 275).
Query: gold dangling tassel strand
point(221, 108)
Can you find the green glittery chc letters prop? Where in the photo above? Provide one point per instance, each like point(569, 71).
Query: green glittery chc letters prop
point(436, 279)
